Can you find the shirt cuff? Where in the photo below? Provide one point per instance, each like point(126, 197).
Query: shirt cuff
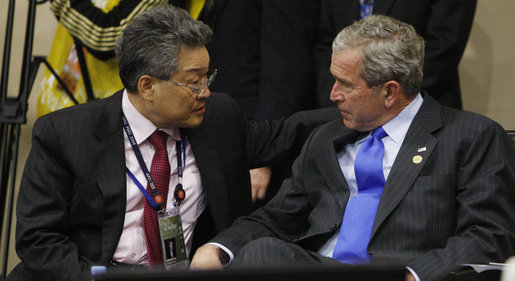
point(228, 252)
point(413, 273)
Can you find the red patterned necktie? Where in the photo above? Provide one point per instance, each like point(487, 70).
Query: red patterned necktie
point(160, 172)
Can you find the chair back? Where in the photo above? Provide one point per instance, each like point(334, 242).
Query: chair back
point(511, 134)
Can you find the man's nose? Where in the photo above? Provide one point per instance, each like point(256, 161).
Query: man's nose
point(205, 94)
point(336, 94)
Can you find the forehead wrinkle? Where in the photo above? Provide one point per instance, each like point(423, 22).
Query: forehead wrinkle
point(344, 68)
point(195, 59)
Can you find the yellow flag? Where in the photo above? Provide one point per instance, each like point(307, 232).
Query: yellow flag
point(195, 7)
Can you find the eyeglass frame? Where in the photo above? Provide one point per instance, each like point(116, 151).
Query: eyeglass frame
point(198, 91)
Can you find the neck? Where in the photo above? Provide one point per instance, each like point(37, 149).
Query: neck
point(142, 106)
point(402, 103)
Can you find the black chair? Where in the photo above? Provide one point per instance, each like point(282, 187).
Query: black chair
point(511, 134)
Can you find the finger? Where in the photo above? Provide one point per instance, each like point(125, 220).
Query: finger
point(261, 193)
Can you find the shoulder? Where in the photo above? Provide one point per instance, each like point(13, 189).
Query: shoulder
point(469, 123)
point(471, 133)
point(331, 129)
point(328, 136)
point(218, 99)
point(82, 115)
point(453, 123)
point(221, 106)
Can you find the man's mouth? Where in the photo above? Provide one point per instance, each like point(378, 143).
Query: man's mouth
point(200, 110)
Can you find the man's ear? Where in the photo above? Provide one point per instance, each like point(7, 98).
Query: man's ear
point(146, 85)
point(391, 92)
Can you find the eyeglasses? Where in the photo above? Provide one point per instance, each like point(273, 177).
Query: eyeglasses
point(200, 88)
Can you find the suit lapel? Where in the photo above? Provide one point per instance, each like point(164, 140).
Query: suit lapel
point(207, 155)
point(110, 173)
point(415, 150)
point(327, 161)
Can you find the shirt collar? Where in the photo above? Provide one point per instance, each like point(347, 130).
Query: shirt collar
point(141, 127)
point(399, 125)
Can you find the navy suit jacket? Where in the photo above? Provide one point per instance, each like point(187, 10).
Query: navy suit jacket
point(72, 197)
point(454, 207)
point(444, 24)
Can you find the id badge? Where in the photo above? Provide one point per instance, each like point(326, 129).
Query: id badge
point(172, 239)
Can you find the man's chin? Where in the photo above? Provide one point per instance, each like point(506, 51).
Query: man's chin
point(348, 123)
point(352, 125)
point(361, 127)
point(193, 122)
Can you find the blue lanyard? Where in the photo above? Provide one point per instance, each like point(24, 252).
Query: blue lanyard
point(179, 194)
point(156, 199)
point(149, 198)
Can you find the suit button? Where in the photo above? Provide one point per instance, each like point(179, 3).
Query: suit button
point(133, 255)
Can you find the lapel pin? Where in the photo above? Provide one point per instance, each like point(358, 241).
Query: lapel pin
point(422, 149)
point(417, 159)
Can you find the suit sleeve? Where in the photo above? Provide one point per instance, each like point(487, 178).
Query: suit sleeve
point(485, 229)
point(284, 217)
point(280, 141)
point(446, 35)
point(43, 211)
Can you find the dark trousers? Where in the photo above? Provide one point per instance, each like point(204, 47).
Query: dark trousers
point(269, 251)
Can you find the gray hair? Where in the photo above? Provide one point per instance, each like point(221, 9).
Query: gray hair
point(152, 42)
point(390, 50)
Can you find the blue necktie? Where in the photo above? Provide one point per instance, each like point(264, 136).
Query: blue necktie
point(366, 8)
point(361, 209)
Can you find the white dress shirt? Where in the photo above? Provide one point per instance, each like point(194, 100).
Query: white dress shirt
point(396, 130)
point(132, 247)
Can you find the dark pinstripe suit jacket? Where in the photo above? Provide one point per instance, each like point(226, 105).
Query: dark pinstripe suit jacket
point(454, 207)
point(72, 197)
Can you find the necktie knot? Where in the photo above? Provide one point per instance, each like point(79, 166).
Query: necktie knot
point(379, 133)
point(158, 140)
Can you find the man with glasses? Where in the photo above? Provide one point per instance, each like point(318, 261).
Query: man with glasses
point(84, 198)
point(198, 89)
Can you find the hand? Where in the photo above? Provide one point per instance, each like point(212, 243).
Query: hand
point(410, 277)
point(260, 178)
point(207, 257)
